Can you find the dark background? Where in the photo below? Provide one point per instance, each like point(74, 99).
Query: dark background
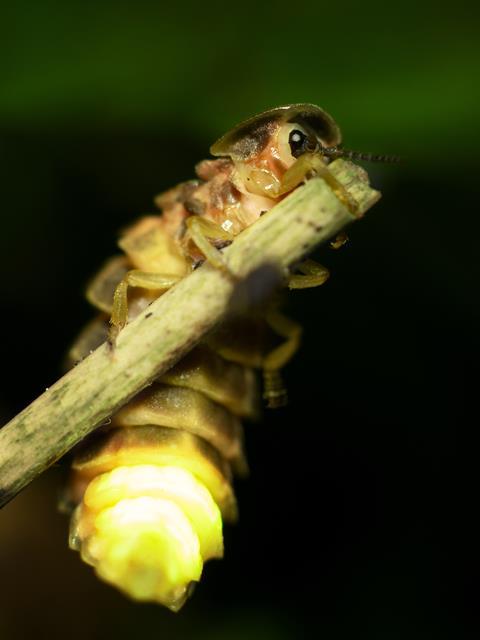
point(358, 519)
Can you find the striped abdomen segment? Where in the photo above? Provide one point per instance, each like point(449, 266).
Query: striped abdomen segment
point(154, 487)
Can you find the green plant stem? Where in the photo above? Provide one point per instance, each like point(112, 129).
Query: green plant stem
point(99, 385)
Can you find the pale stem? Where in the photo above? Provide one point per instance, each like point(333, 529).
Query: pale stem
point(99, 385)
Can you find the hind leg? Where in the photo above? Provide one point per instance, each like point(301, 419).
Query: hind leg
point(274, 392)
point(312, 274)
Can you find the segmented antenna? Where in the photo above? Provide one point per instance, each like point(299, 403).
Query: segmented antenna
point(338, 152)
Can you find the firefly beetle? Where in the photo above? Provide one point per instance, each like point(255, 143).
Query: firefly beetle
point(152, 489)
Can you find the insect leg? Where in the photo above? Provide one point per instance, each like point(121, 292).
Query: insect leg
point(313, 163)
point(134, 278)
point(312, 274)
point(201, 232)
point(274, 392)
point(101, 288)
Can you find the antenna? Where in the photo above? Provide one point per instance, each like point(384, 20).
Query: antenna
point(338, 152)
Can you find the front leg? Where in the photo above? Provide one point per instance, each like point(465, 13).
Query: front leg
point(134, 278)
point(265, 183)
point(313, 163)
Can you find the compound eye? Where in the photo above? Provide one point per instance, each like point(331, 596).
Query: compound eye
point(300, 142)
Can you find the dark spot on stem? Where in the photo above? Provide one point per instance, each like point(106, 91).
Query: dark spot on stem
point(316, 227)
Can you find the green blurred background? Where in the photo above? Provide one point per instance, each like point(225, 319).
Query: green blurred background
point(358, 518)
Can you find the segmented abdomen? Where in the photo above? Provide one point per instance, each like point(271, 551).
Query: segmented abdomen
point(153, 487)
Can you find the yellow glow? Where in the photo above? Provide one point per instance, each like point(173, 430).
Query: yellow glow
point(172, 483)
point(148, 529)
point(160, 447)
point(148, 548)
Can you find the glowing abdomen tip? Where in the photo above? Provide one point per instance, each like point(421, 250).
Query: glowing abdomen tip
point(147, 530)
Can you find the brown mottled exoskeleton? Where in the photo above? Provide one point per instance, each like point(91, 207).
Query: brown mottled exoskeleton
point(190, 418)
